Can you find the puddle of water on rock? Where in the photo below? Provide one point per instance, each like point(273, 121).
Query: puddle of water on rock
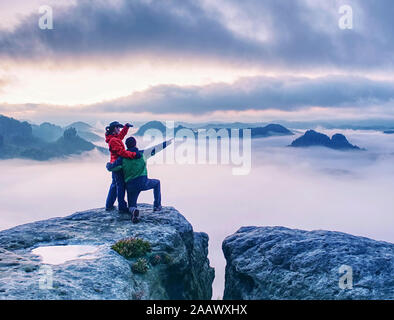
point(62, 254)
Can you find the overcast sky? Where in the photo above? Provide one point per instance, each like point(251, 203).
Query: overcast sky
point(197, 60)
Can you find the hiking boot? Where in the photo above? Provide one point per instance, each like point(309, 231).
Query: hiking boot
point(158, 208)
point(124, 211)
point(135, 214)
point(110, 208)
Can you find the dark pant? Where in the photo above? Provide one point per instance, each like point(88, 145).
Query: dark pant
point(117, 190)
point(135, 186)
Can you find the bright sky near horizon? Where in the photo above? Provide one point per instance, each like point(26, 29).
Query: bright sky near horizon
point(197, 60)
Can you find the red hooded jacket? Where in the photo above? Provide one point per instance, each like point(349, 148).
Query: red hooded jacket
point(116, 146)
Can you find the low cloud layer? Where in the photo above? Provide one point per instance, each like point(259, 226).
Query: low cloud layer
point(250, 94)
point(257, 93)
point(307, 189)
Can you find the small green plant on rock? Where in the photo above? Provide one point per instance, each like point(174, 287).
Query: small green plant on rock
point(132, 247)
point(140, 266)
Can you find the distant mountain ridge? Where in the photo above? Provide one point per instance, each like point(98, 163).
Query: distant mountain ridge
point(79, 125)
point(18, 141)
point(51, 132)
point(47, 131)
point(270, 130)
point(156, 125)
point(369, 124)
point(256, 132)
point(312, 138)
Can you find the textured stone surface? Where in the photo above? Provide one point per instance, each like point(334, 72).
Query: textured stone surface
point(281, 263)
point(108, 275)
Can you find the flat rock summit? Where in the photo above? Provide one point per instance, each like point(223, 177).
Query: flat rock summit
point(263, 263)
point(280, 263)
point(186, 273)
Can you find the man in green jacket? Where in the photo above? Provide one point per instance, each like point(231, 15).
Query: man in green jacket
point(136, 178)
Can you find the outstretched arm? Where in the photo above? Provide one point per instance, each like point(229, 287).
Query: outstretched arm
point(150, 152)
point(124, 131)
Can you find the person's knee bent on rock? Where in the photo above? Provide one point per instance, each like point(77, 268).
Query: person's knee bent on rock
point(136, 178)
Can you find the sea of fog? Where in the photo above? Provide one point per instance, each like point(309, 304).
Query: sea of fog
point(313, 188)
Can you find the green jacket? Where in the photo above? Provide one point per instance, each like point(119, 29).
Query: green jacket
point(132, 168)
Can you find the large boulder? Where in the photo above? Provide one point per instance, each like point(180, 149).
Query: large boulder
point(280, 263)
point(185, 273)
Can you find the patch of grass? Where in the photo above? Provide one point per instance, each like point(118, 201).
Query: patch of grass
point(132, 247)
point(163, 258)
point(140, 266)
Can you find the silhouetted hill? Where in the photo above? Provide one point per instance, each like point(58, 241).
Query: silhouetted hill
point(263, 132)
point(15, 130)
point(157, 125)
point(151, 125)
point(256, 132)
point(17, 141)
point(270, 130)
point(50, 132)
point(231, 125)
point(85, 131)
point(47, 131)
point(71, 143)
point(312, 138)
point(80, 126)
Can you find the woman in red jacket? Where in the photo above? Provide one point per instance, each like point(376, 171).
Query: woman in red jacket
point(114, 135)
